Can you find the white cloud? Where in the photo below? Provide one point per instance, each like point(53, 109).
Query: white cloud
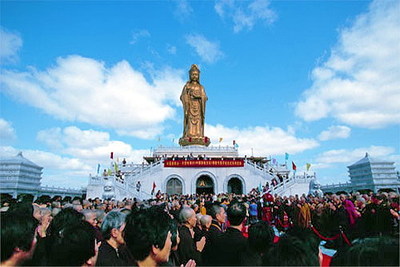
point(359, 84)
point(183, 9)
point(208, 51)
point(351, 156)
point(10, 43)
point(7, 132)
point(171, 49)
point(75, 154)
point(264, 141)
point(89, 145)
point(139, 34)
point(85, 90)
point(334, 132)
point(245, 14)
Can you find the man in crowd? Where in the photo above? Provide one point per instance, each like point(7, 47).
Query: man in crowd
point(18, 238)
point(76, 246)
point(189, 249)
point(227, 250)
point(112, 251)
point(148, 237)
point(218, 215)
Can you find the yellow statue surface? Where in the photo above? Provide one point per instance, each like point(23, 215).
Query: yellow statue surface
point(194, 100)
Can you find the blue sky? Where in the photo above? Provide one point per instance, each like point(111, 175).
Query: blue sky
point(319, 80)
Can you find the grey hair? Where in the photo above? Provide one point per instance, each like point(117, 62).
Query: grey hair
point(87, 213)
point(114, 219)
point(205, 219)
point(185, 214)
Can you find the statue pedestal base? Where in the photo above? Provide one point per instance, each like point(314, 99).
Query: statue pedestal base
point(194, 141)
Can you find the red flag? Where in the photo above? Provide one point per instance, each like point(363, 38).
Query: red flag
point(112, 155)
point(154, 187)
point(294, 167)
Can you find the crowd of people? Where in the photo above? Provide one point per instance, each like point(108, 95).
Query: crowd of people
point(204, 230)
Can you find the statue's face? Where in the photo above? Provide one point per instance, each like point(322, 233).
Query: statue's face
point(194, 75)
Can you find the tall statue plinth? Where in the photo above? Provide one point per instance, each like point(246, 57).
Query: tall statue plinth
point(194, 141)
point(194, 100)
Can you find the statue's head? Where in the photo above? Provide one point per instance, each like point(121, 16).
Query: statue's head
point(194, 68)
point(194, 73)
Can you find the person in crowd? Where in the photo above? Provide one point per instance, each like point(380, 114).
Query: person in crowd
point(198, 231)
point(63, 219)
point(261, 237)
point(218, 215)
point(175, 209)
point(76, 204)
point(371, 251)
point(377, 219)
point(290, 251)
point(205, 222)
point(175, 240)
point(91, 217)
point(18, 238)
point(112, 251)
point(188, 248)
point(148, 237)
point(227, 250)
point(76, 246)
point(44, 221)
point(253, 211)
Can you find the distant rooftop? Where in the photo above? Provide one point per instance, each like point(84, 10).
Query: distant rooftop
point(368, 159)
point(19, 159)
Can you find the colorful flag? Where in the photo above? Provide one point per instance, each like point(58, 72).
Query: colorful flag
point(274, 161)
point(286, 156)
point(220, 139)
point(109, 172)
point(308, 166)
point(112, 155)
point(236, 145)
point(116, 167)
point(294, 167)
point(98, 168)
point(154, 187)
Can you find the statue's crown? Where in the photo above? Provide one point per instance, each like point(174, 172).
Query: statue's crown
point(194, 68)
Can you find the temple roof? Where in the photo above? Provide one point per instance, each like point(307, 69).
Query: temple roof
point(19, 159)
point(368, 159)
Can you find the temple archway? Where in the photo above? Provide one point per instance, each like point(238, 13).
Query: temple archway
point(205, 184)
point(174, 186)
point(235, 186)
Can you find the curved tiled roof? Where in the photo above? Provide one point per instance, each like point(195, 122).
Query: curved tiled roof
point(368, 159)
point(19, 159)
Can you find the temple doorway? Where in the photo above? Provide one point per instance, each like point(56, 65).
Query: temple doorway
point(204, 184)
point(235, 186)
point(174, 186)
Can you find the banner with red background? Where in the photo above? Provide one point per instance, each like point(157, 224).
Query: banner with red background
point(204, 163)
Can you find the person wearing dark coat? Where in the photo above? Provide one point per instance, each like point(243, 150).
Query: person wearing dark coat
point(112, 251)
point(188, 249)
point(228, 249)
point(218, 215)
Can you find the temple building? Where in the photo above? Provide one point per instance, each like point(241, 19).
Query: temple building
point(18, 175)
point(194, 167)
point(369, 174)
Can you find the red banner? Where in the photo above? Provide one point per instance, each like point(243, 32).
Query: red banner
point(204, 163)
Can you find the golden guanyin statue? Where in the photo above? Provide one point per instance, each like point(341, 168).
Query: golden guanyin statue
point(194, 100)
